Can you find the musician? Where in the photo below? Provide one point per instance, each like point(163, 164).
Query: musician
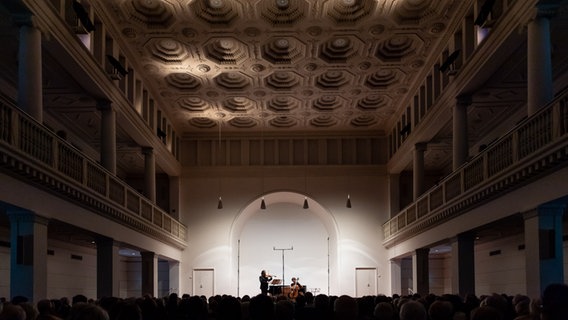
point(264, 280)
point(295, 288)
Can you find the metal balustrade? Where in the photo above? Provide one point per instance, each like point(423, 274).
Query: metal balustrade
point(535, 147)
point(32, 152)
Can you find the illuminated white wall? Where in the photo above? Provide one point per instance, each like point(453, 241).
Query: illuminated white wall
point(238, 241)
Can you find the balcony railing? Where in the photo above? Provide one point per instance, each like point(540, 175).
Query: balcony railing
point(534, 148)
point(34, 153)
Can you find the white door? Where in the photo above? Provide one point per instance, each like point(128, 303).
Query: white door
point(365, 281)
point(203, 282)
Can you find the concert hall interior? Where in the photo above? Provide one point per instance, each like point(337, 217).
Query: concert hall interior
point(363, 146)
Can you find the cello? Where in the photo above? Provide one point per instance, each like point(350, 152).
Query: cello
point(294, 289)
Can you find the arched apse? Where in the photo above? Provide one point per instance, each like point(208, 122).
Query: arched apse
point(285, 240)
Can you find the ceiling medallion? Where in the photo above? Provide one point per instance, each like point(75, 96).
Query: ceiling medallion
point(314, 31)
point(437, 27)
point(129, 33)
point(252, 31)
point(257, 67)
point(203, 68)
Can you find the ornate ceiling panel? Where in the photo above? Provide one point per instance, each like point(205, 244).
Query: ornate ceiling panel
point(284, 64)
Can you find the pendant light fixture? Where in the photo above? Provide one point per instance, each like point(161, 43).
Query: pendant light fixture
point(348, 204)
point(220, 201)
point(262, 203)
point(306, 206)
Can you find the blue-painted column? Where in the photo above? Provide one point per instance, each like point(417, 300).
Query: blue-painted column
point(28, 254)
point(543, 247)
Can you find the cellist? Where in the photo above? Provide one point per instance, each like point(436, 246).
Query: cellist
point(295, 288)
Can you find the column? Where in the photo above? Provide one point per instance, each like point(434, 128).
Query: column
point(174, 274)
point(539, 82)
point(175, 187)
point(460, 142)
point(28, 254)
point(149, 273)
point(108, 135)
point(108, 282)
point(30, 90)
point(396, 276)
point(463, 265)
point(543, 247)
point(149, 173)
point(418, 169)
point(421, 271)
point(394, 193)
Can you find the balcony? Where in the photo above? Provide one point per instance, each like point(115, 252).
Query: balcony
point(32, 153)
point(536, 147)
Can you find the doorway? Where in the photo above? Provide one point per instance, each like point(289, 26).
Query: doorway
point(204, 282)
point(365, 282)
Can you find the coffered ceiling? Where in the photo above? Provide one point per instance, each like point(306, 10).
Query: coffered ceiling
point(289, 65)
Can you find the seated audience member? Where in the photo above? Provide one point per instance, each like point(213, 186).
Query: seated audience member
point(384, 311)
point(412, 310)
point(522, 305)
point(79, 298)
point(229, 309)
point(46, 310)
point(284, 310)
point(555, 302)
point(366, 307)
point(486, 313)
point(261, 307)
point(86, 311)
point(29, 309)
point(12, 312)
point(345, 308)
point(441, 310)
point(498, 302)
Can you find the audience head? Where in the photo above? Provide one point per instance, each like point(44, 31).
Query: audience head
point(345, 307)
point(384, 311)
point(229, 309)
point(79, 298)
point(87, 311)
point(555, 302)
point(486, 313)
point(12, 312)
point(261, 307)
point(284, 310)
point(412, 310)
point(496, 301)
point(441, 310)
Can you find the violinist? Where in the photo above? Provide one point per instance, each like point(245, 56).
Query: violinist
point(264, 279)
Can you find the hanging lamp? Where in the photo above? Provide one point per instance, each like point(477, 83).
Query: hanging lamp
point(220, 201)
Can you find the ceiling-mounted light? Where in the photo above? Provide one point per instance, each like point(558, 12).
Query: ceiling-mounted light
point(220, 203)
point(348, 204)
point(262, 204)
point(306, 206)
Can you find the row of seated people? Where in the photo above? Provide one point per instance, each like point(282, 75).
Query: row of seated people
point(553, 305)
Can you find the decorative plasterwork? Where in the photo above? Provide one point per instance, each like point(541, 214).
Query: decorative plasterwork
point(306, 64)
